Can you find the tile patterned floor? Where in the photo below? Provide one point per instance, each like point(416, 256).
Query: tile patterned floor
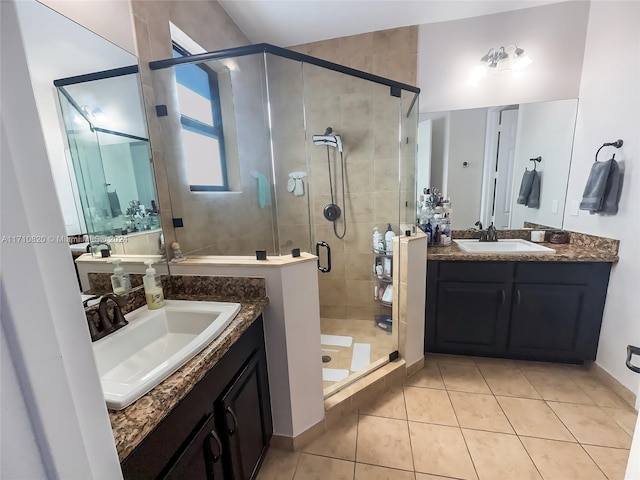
point(474, 419)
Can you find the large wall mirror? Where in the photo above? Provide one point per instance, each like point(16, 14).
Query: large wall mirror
point(477, 158)
point(95, 132)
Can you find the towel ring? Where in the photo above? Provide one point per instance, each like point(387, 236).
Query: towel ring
point(535, 162)
point(618, 143)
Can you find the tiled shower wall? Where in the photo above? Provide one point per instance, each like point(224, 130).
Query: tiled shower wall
point(215, 223)
point(367, 118)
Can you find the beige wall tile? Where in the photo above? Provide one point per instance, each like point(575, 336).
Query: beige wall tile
point(359, 238)
point(496, 455)
point(396, 40)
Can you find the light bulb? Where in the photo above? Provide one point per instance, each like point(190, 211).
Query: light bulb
point(520, 63)
point(477, 74)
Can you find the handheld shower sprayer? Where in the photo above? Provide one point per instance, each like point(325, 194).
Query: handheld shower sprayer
point(328, 139)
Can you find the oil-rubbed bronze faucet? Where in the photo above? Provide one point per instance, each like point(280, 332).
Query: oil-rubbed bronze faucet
point(111, 325)
point(488, 235)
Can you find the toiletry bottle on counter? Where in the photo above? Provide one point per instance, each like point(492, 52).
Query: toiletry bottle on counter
point(388, 239)
point(428, 230)
point(120, 281)
point(153, 287)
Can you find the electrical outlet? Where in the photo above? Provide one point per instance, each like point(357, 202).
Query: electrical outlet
point(554, 206)
point(575, 208)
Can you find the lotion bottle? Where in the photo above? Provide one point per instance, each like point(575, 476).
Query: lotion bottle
point(153, 287)
point(120, 281)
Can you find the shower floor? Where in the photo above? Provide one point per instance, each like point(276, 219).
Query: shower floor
point(367, 344)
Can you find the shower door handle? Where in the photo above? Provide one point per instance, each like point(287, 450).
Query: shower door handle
point(326, 269)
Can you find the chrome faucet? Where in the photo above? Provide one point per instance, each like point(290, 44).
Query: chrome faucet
point(111, 325)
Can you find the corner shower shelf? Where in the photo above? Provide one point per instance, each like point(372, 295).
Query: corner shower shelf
point(382, 302)
point(382, 253)
point(384, 278)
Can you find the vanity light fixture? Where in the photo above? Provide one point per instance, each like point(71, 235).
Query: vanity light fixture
point(499, 59)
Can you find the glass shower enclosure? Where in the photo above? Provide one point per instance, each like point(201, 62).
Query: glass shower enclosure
point(314, 156)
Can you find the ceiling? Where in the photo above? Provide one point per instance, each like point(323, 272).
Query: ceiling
point(294, 22)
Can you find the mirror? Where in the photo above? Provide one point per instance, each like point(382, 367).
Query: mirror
point(477, 158)
point(95, 132)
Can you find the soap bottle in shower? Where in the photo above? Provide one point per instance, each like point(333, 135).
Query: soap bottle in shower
point(388, 239)
point(377, 238)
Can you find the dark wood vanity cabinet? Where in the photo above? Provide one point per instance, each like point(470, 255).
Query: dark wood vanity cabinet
point(531, 310)
point(221, 429)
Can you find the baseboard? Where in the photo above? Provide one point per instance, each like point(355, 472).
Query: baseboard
point(414, 367)
point(291, 444)
point(606, 378)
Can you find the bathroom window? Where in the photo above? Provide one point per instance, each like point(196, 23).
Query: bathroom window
point(201, 120)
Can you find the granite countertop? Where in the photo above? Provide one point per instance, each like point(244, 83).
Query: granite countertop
point(568, 252)
point(131, 425)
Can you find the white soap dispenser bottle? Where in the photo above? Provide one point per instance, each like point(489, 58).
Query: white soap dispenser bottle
point(120, 281)
point(153, 287)
point(377, 238)
point(388, 239)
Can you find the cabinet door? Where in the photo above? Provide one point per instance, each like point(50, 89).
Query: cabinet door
point(246, 418)
point(201, 458)
point(471, 317)
point(546, 320)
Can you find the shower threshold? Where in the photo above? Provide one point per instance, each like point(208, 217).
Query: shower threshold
point(354, 377)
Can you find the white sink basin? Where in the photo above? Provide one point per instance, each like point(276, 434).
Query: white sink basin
point(155, 344)
point(503, 246)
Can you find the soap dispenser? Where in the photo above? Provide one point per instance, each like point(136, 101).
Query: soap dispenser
point(153, 287)
point(120, 281)
point(388, 239)
point(377, 238)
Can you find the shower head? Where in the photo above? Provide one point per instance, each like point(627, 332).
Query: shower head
point(328, 140)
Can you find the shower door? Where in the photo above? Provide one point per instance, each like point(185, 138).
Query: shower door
point(359, 331)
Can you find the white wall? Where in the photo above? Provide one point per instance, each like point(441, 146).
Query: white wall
point(610, 109)
point(439, 148)
point(467, 134)
point(110, 19)
point(45, 324)
point(552, 35)
point(544, 130)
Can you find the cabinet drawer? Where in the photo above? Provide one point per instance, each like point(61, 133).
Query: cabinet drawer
point(475, 271)
point(554, 273)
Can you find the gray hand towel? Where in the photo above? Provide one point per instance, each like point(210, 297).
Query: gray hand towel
point(114, 204)
point(612, 190)
point(593, 195)
point(525, 186)
point(533, 201)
